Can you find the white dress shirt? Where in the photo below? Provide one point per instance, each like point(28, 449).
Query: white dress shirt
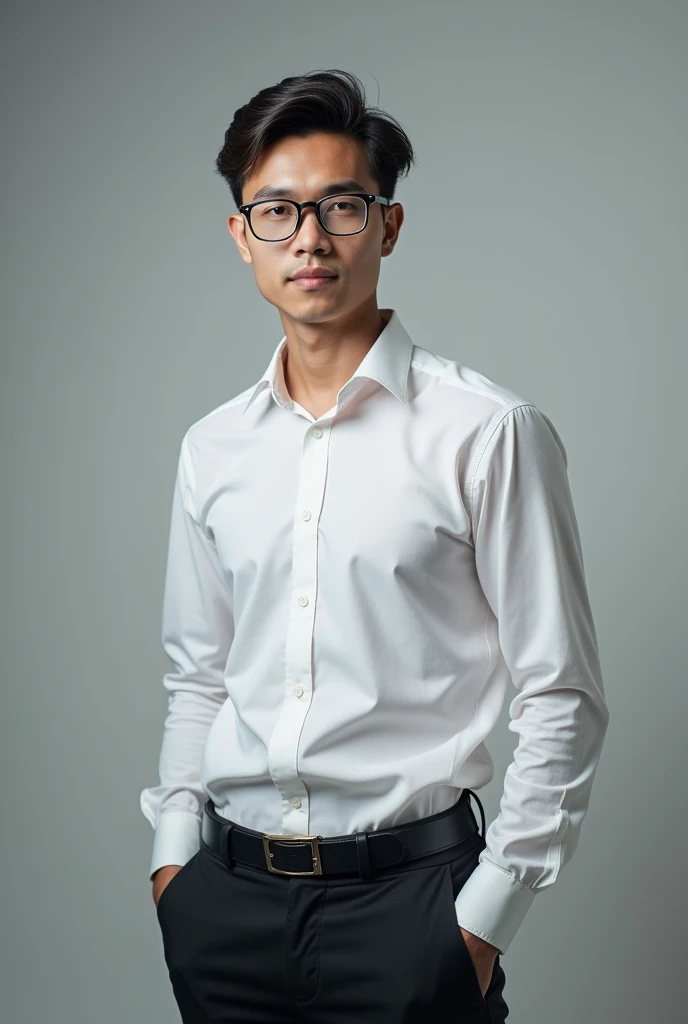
point(346, 600)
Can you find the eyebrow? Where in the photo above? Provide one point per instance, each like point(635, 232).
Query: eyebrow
point(275, 192)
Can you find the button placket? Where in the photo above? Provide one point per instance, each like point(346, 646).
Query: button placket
point(283, 746)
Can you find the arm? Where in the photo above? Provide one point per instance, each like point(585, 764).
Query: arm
point(197, 632)
point(530, 565)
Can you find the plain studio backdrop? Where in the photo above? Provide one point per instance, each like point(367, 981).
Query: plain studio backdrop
point(544, 245)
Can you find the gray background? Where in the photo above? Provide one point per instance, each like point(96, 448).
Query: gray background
point(551, 137)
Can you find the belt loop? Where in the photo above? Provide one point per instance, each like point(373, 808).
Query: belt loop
point(363, 853)
point(482, 812)
point(225, 844)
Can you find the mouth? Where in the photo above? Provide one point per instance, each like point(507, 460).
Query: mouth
point(312, 282)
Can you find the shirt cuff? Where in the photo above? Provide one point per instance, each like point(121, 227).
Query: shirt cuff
point(177, 838)
point(492, 904)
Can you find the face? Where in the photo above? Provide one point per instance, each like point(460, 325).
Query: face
point(306, 166)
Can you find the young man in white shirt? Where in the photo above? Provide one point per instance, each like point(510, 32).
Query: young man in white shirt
point(366, 546)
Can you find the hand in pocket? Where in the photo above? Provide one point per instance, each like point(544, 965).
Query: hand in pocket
point(483, 954)
point(162, 878)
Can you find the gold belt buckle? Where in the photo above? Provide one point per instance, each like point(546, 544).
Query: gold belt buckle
point(313, 840)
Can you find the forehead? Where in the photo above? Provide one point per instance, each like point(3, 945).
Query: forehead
point(303, 165)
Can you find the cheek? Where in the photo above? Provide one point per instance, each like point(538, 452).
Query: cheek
point(269, 276)
point(362, 262)
point(365, 269)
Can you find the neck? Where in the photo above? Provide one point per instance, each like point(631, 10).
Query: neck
point(321, 357)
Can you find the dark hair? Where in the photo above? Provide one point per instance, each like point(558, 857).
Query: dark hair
point(329, 101)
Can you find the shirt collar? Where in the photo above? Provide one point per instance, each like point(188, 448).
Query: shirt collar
point(386, 361)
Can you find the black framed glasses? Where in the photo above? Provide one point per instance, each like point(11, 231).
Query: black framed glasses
point(275, 220)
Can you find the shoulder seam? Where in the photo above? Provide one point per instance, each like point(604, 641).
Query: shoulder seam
point(189, 478)
point(491, 428)
point(462, 385)
point(243, 395)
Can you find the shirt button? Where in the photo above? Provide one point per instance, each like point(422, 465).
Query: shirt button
point(296, 801)
point(317, 432)
point(306, 514)
point(298, 691)
point(303, 600)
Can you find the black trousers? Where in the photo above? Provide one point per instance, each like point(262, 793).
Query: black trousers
point(251, 947)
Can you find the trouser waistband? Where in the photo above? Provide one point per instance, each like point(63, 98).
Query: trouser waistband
point(361, 853)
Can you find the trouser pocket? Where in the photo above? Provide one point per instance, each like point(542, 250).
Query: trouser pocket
point(453, 882)
point(175, 882)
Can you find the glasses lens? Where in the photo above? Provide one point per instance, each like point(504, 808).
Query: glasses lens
point(274, 219)
point(343, 215)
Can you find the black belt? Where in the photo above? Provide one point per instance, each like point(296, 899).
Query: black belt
point(358, 853)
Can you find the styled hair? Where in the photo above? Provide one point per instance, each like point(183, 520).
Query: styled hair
point(319, 101)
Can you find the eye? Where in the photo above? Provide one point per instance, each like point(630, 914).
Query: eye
point(341, 203)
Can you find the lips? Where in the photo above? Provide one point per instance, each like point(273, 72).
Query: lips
point(312, 284)
point(311, 272)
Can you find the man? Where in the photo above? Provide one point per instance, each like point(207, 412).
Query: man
point(365, 547)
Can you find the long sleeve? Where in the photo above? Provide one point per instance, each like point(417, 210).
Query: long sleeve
point(197, 631)
point(530, 566)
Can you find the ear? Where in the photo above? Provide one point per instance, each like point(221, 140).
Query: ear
point(393, 222)
point(236, 223)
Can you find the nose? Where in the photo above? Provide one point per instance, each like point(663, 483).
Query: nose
point(310, 232)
